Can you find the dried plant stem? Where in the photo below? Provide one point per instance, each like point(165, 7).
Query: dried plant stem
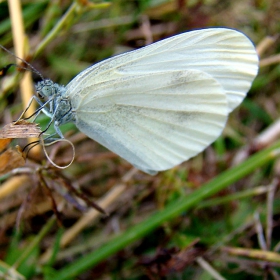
point(19, 38)
point(11, 185)
point(265, 44)
point(253, 253)
point(274, 59)
point(206, 266)
point(259, 231)
point(9, 273)
point(269, 212)
point(92, 215)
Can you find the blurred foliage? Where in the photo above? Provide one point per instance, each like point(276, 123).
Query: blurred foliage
point(93, 34)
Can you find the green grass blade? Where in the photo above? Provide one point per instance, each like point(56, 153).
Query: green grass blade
point(173, 210)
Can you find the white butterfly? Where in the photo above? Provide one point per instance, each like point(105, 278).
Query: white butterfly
point(162, 104)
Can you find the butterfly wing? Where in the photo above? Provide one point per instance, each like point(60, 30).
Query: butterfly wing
point(164, 103)
point(225, 54)
point(157, 120)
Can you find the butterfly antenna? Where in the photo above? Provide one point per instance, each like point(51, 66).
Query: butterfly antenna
point(24, 61)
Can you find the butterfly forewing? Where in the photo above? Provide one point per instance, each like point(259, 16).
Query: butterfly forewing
point(227, 55)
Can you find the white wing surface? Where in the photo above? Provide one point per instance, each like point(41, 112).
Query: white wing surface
point(154, 120)
point(225, 54)
point(160, 105)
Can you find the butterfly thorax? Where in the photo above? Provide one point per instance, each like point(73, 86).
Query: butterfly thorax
point(54, 101)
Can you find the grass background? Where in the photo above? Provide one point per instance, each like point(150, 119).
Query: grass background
point(213, 217)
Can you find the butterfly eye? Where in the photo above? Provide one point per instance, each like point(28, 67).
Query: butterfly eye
point(40, 96)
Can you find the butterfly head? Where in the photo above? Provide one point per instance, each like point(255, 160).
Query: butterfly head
point(47, 89)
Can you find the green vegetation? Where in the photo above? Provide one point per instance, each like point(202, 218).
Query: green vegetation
point(213, 217)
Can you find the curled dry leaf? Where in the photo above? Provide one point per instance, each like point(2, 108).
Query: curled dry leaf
point(14, 157)
point(4, 143)
point(10, 159)
point(20, 129)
